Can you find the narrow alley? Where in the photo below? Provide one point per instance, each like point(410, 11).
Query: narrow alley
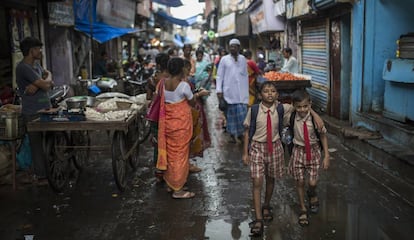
point(353, 206)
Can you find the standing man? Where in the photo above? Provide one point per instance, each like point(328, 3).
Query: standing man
point(291, 64)
point(125, 54)
point(233, 86)
point(34, 82)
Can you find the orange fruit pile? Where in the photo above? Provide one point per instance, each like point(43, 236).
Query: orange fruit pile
point(281, 76)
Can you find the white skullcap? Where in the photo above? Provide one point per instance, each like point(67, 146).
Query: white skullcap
point(234, 41)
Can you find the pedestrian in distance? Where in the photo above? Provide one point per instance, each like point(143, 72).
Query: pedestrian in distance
point(263, 150)
point(290, 64)
point(187, 54)
point(233, 87)
point(34, 83)
point(201, 137)
point(221, 52)
point(161, 61)
point(305, 161)
point(254, 72)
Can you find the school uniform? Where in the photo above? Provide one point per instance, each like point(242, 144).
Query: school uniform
point(299, 166)
point(263, 162)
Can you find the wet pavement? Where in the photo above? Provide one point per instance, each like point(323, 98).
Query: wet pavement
point(353, 204)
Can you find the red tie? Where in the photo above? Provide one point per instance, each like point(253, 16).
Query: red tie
point(269, 133)
point(307, 142)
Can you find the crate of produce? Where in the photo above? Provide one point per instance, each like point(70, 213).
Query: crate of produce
point(11, 122)
point(288, 81)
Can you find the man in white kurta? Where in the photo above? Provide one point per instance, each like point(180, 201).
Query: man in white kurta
point(233, 85)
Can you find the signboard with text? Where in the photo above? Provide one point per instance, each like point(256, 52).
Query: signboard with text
point(61, 13)
point(226, 25)
point(117, 13)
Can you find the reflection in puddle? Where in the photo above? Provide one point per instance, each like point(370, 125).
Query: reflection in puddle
point(221, 229)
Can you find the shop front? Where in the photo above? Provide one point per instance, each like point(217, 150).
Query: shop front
point(18, 19)
point(268, 26)
point(226, 28)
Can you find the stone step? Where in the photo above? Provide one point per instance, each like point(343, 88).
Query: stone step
point(393, 158)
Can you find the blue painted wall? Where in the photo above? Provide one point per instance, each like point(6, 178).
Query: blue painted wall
point(377, 24)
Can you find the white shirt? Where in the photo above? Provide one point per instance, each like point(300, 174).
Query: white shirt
point(233, 80)
point(183, 90)
point(290, 65)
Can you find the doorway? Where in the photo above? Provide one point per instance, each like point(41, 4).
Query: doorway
point(340, 66)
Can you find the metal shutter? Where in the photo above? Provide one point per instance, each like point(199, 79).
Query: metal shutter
point(315, 61)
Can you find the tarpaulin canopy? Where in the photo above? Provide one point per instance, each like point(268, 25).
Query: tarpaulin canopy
point(181, 40)
point(182, 22)
point(100, 31)
point(169, 3)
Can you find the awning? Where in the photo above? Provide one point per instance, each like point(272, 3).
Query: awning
point(169, 3)
point(181, 40)
point(182, 22)
point(101, 32)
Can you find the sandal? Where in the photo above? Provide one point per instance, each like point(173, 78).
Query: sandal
point(313, 206)
point(267, 213)
point(303, 218)
point(256, 230)
point(169, 190)
point(159, 176)
point(183, 194)
point(194, 169)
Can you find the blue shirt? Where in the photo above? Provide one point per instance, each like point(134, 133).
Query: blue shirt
point(27, 74)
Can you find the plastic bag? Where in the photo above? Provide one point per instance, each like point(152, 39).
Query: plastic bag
point(24, 155)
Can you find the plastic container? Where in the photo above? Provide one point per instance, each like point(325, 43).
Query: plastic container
point(11, 125)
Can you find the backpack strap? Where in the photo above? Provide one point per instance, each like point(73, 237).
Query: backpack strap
point(292, 122)
point(291, 131)
point(318, 135)
point(254, 110)
point(280, 113)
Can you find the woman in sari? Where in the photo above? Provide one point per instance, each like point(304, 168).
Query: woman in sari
point(161, 61)
point(175, 128)
point(202, 74)
point(201, 136)
point(253, 71)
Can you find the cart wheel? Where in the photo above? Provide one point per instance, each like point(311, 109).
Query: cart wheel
point(81, 155)
point(118, 161)
point(144, 128)
point(133, 132)
point(57, 160)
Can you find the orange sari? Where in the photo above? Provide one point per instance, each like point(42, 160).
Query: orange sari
point(175, 129)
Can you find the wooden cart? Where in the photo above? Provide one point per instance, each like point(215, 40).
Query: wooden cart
point(286, 88)
point(66, 141)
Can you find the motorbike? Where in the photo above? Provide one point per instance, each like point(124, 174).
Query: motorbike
point(57, 94)
point(98, 84)
point(137, 77)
